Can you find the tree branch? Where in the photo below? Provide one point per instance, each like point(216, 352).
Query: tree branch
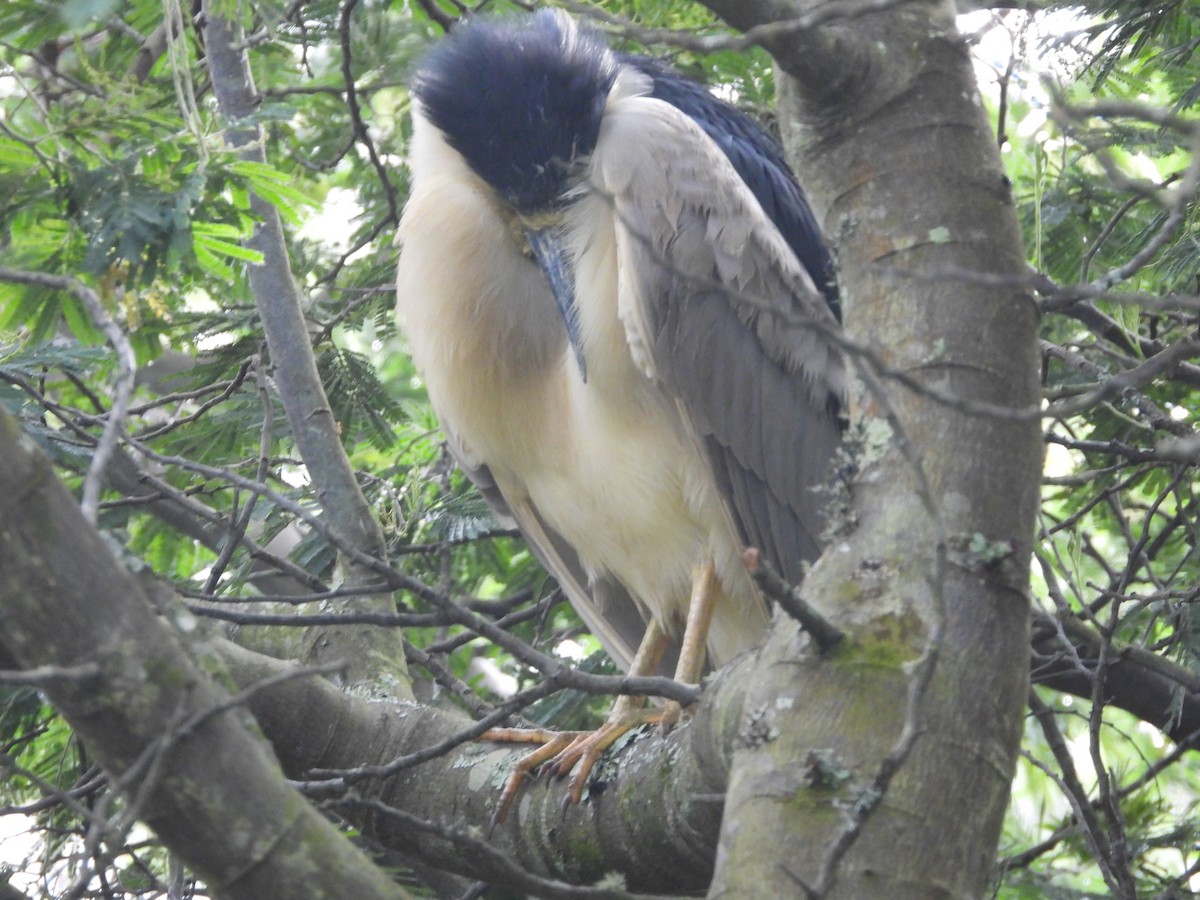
point(278, 301)
point(1065, 655)
point(304, 400)
point(223, 807)
point(651, 814)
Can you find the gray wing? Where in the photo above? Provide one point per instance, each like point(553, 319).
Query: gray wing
point(604, 605)
point(718, 309)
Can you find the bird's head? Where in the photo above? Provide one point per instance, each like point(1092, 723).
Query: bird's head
point(522, 103)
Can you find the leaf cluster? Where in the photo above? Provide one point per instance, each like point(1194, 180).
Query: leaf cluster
point(1102, 160)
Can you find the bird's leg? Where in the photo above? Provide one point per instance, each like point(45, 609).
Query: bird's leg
point(563, 751)
point(705, 590)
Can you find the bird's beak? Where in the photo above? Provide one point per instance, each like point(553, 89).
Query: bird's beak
point(549, 252)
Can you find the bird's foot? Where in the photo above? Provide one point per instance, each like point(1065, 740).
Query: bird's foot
point(563, 751)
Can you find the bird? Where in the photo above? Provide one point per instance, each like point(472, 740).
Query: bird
point(625, 315)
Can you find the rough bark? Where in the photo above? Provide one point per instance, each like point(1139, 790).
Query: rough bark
point(841, 786)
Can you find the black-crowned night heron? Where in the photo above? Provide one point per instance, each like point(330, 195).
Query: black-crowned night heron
point(609, 282)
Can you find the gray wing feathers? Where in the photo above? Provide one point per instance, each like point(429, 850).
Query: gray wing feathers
point(730, 322)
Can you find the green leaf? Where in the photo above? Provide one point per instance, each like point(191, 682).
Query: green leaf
point(225, 248)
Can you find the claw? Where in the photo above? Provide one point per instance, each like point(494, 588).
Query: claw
point(562, 752)
point(552, 743)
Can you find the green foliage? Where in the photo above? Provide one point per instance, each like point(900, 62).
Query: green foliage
point(363, 405)
point(117, 175)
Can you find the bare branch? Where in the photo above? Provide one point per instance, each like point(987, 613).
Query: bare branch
point(278, 302)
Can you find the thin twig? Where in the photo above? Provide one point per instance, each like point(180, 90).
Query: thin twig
point(824, 633)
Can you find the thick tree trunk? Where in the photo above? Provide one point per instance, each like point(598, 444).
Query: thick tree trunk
point(882, 769)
